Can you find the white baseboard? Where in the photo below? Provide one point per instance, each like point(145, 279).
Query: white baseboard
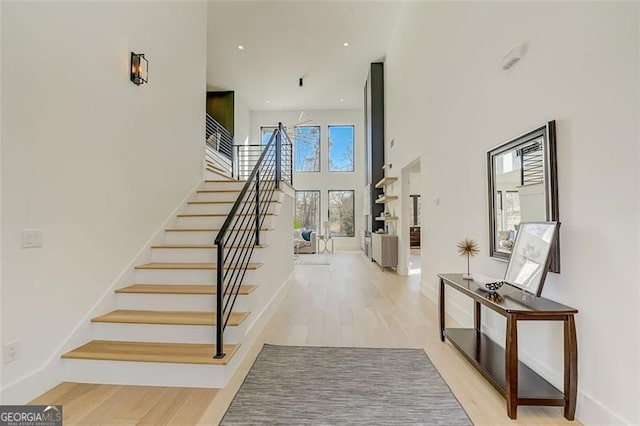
point(590, 411)
point(51, 372)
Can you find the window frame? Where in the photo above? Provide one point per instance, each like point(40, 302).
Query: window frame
point(319, 212)
point(274, 128)
point(353, 148)
point(353, 202)
point(295, 148)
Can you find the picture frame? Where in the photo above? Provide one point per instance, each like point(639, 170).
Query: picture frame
point(531, 255)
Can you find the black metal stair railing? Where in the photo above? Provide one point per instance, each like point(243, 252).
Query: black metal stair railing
point(241, 231)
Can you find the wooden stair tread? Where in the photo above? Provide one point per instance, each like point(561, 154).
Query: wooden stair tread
point(206, 191)
point(129, 316)
point(203, 246)
point(190, 265)
point(231, 202)
point(209, 229)
point(215, 214)
point(179, 289)
point(180, 353)
point(222, 181)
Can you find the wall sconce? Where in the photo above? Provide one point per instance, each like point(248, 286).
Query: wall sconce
point(139, 69)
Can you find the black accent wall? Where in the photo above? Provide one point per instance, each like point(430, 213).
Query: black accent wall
point(374, 129)
point(220, 105)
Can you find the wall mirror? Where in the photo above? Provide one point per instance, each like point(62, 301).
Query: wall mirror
point(523, 187)
point(531, 255)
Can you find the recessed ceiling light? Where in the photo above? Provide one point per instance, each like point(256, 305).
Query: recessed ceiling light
point(341, 100)
point(345, 44)
point(268, 101)
point(240, 47)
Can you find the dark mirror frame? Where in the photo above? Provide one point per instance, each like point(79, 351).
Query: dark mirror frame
point(548, 132)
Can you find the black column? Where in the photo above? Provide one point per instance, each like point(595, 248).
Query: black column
point(374, 128)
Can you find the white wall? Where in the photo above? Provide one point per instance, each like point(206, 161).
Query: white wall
point(448, 102)
point(242, 121)
point(1, 235)
point(324, 180)
point(93, 160)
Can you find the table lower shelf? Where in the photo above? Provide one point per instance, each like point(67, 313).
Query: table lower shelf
point(489, 358)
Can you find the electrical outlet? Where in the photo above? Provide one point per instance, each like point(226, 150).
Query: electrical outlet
point(11, 352)
point(31, 238)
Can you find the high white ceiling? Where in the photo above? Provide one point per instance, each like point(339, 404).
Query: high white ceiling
point(286, 40)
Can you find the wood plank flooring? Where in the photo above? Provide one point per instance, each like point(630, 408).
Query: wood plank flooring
point(349, 303)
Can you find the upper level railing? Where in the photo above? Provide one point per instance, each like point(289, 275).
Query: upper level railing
point(241, 231)
point(218, 144)
point(246, 156)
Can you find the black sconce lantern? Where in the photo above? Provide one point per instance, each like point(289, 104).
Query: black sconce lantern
point(139, 69)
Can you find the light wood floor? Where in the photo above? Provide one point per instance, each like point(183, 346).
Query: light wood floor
point(349, 303)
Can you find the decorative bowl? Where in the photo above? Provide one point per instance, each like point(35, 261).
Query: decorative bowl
point(494, 286)
point(487, 283)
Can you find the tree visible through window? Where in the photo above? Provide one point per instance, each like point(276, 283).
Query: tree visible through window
point(341, 218)
point(307, 210)
point(307, 148)
point(341, 148)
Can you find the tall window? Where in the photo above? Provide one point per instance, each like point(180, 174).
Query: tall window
point(307, 210)
point(341, 148)
point(307, 148)
point(265, 133)
point(341, 219)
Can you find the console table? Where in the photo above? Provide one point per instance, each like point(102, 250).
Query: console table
point(518, 383)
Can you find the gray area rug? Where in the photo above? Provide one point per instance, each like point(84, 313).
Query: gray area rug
point(337, 386)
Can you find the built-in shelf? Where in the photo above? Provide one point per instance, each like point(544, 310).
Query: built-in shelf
point(386, 199)
point(388, 180)
point(387, 218)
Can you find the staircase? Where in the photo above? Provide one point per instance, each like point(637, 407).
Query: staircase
point(163, 330)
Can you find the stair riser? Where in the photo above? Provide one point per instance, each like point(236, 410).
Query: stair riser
point(177, 302)
point(224, 196)
point(217, 222)
point(216, 196)
point(222, 208)
point(223, 185)
point(185, 238)
point(155, 276)
point(196, 255)
point(165, 333)
point(144, 373)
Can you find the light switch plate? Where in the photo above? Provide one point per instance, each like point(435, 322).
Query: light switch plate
point(11, 352)
point(32, 238)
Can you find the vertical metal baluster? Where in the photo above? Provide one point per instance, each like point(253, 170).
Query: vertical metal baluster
point(257, 208)
point(279, 155)
point(220, 303)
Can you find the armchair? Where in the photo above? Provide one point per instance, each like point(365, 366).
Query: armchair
point(303, 246)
